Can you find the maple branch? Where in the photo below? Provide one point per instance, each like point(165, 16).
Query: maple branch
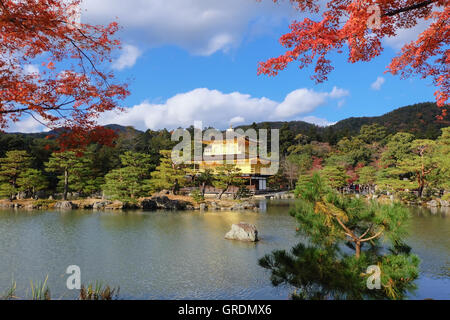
point(42, 123)
point(89, 60)
point(43, 105)
point(409, 8)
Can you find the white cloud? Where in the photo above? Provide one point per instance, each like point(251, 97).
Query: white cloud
point(300, 101)
point(200, 26)
point(337, 93)
point(27, 125)
point(318, 121)
point(236, 120)
point(127, 58)
point(303, 101)
point(219, 110)
point(31, 69)
point(378, 83)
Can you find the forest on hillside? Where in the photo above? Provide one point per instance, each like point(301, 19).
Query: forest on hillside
point(391, 158)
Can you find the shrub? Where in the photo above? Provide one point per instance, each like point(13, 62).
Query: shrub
point(446, 197)
point(243, 193)
point(44, 203)
point(197, 196)
point(407, 196)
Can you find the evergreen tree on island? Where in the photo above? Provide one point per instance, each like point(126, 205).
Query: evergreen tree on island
point(11, 167)
point(132, 180)
point(168, 175)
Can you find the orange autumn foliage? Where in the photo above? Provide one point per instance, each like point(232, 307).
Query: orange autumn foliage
point(71, 89)
point(344, 23)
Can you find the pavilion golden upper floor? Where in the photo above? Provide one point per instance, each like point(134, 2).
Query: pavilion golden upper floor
point(237, 151)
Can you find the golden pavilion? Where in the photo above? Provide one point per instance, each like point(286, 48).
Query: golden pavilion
point(241, 151)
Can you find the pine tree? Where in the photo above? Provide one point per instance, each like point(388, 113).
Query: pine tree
point(367, 176)
point(335, 176)
point(410, 164)
point(372, 133)
point(132, 180)
point(84, 178)
point(73, 167)
point(31, 181)
point(167, 174)
point(324, 269)
point(390, 179)
point(398, 147)
point(10, 168)
point(420, 163)
point(226, 176)
point(355, 150)
point(204, 179)
point(442, 156)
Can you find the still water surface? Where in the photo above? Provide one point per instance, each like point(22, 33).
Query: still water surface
point(180, 255)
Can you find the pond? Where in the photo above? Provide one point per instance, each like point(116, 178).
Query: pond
point(179, 255)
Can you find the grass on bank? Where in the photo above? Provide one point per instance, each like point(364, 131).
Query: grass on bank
point(40, 291)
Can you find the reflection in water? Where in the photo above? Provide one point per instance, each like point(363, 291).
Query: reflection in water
point(180, 254)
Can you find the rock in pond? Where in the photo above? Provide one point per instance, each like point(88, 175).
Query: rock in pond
point(65, 205)
point(101, 205)
point(244, 206)
point(243, 232)
point(444, 203)
point(432, 203)
point(149, 204)
point(164, 203)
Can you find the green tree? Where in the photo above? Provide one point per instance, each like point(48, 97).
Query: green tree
point(278, 180)
point(286, 139)
point(390, 179)
point(31, 181)
point(132, 180)
point(73, 168)
point(355, 150)
point(420, 163)
point(167, 174)
point(372, 133)
point(204, 179)
point(295, 165)
point(335, 176)
point(442, 156)
point(398, 147)
point(11, 166)
point(324, 269)
point(367, 175)
point(226, 176)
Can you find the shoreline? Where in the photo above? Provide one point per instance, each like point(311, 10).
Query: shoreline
point(154, 203)
point(168, 202)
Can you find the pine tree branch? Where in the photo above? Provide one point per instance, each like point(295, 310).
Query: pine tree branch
point(349, 232)
point(367, 231)
point(373, 237)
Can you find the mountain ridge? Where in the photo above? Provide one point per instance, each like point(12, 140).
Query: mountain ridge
point(419, 119)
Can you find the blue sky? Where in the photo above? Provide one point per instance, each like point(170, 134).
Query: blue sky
point(196, 60)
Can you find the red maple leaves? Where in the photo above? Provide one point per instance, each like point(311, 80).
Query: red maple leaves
point(344, 23)
point(70, 90)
